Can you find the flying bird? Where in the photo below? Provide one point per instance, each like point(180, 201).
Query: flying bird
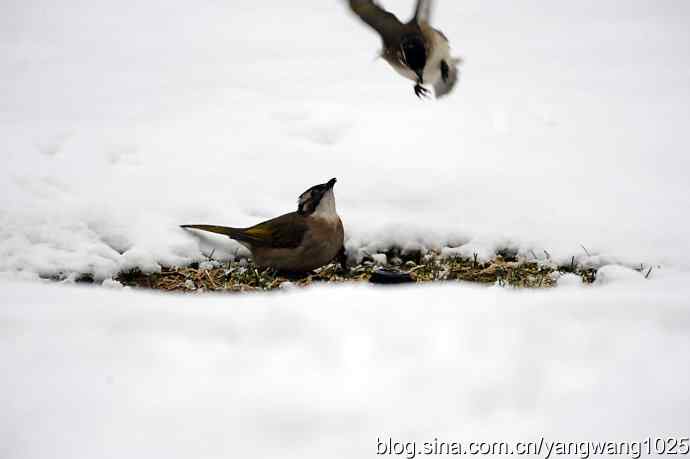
point(296, 242)
point(414, 49)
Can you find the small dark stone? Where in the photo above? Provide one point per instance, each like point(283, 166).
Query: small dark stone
point(390, 277)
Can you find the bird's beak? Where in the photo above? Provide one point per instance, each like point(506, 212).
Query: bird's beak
point(331, 183)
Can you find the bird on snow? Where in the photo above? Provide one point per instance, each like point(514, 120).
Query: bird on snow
point(414, 49)
point(296, 242)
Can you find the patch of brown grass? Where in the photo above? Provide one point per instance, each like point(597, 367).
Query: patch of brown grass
point(244, 276)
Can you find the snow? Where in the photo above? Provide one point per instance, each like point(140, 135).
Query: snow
point(120, 121)
point(324, 372)
point(567, 136)
point(614, 273)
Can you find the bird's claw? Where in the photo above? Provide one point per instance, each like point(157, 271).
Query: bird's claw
point(420, 91)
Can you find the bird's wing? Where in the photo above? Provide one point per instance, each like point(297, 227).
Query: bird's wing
point(384, 22)
point(284, 232)
point(441, 87)
point(423, 11)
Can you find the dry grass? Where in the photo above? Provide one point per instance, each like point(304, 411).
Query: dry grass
point(244, 276)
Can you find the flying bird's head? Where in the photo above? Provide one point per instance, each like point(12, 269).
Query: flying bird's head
point(318, 201)
point(413, 53)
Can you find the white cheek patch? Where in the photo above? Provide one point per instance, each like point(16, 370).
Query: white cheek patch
point(326, 207)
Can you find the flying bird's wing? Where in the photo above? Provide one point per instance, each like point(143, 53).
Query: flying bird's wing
point(423, 11)
point(385, 23)
point(444, 86)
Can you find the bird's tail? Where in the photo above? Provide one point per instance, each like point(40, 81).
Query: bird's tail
point(234, 233)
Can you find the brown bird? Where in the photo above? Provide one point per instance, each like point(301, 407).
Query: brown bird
point(414, 49)
point(296, 242)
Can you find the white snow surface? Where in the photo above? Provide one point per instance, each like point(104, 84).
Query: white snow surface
point(323, 372)
point(121, 120)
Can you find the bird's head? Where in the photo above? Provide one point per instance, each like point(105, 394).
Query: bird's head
point(414, 53)
point(318, 201)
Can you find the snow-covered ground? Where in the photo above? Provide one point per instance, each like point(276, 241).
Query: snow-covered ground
point(121, 120)
point(90, 373)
